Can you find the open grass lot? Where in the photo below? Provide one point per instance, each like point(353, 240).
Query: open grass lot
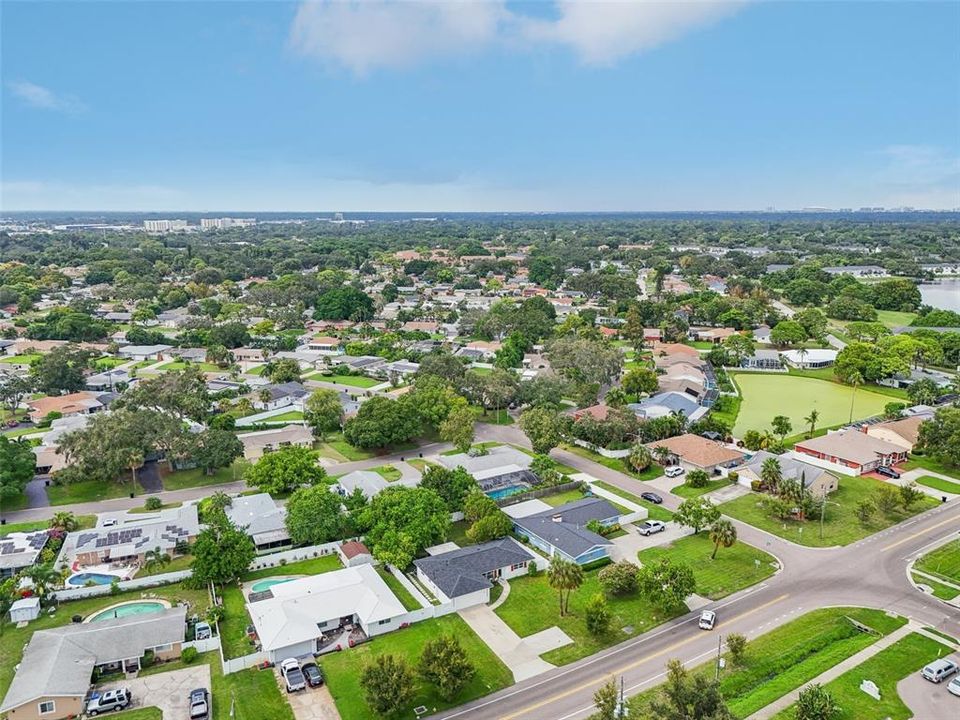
point(929, 463)
point(765, 396)
point(13, 638)
point(360, 381)
point(733, 569)
point(403, 595)
point(840, 527)
point(387, 472)
point(688, 491)
point(196, 477)
point(336, 448)
point(83, 522)
point(790, 656)
point(886, 669)
point(343, 669)
point(939, 484)
point(534, 606)
point(654, 512)
point(943, 562)
point(88, 491)
point(892, 318)
point(493, 417)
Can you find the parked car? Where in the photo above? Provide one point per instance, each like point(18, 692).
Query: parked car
point(199, 704)
point(652, 497)
point(939, 670)
point(109, 522)
point(293, 675)
point(708, 618)
point(888, 472)
point(674, 471)
point(109, 700)
point(312, 673)
point(651, 527)
point(954, 687)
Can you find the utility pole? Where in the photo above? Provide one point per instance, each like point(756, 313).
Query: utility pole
point(823, 509)
point(719, 658)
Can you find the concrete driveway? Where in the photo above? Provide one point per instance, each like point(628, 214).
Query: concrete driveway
point(309, 704)
point(167, 690)
point(928, 700)
point(627, 546)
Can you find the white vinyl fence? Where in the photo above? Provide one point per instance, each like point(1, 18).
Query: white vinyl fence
point(80, 593)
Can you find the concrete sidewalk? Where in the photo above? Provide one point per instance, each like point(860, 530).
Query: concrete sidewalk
point(835, 672)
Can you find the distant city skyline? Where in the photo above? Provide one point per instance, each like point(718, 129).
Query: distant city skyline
point(479, 106)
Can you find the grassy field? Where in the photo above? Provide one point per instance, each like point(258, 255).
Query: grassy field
point(886, 669)
point(944, 592)
point(196, 477)
point(892, 318)
point(534, 606)
point(403, 595)
point(944, 562)
point(88, 491)
point(939, 484)
point(359, 381)
point(733, 569)
point(387, 472)
point(784, 659)
point(343, 670)
point(932, 465)
point(840, 527)
point(688, 491)
point(765, 396)
point(654, 511)
point(83, 522)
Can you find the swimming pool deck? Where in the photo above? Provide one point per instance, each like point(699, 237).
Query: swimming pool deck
point(98, 613)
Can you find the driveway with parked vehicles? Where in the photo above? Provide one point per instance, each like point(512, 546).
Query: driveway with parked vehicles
point(169, 691)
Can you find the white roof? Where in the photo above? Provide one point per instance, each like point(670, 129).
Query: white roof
point(258, 514)
point(811, 355)
point(292, 615)
point(496, 458)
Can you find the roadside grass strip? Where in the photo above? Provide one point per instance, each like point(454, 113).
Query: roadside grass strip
point(944, 562)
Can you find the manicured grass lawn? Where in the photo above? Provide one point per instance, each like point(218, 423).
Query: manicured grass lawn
point(840, 527)
point(344, 450)
point(89, 491)
point(939, 484)
point(765, 396)
point(420, 464)
point(257, 370)
point(343, 669)
point(403, 595)
point(144, 713)
point(360, 381)
point(20, 432)
point(18, 502)
point(654, 471)
point(479, 447)
point(195, 477)
point(943, 562)
point(458, 533)
point(387, 472)
point(313, 566)
point(784, 659)
point(568, 496)
point(892, 318)
point(183, 562)
point(654, 512)
point(181, 365)
point(931, 464)
point(17, 359)
point(727, 409)
point(733, 569)
point(534, 606)
point(285, 417)
point(144, 509)
point(687, 491)
point(492, 417)
point(233, 627)
point(83, 522)
point(108, 363)
point(886, 669)
point(944, 592)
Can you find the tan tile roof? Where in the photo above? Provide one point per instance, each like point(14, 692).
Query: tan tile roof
point(697, 450)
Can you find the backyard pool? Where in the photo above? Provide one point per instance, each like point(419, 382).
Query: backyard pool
point(262, 585)
point(128, 609)
point(502, 492)
point(81, 579)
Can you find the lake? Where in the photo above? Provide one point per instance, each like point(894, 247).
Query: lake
point(944, 293)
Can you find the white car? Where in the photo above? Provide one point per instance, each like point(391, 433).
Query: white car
point(954, 687)
point(293, 675)
point(708, 618)
point(673, 471)
point(651, 527)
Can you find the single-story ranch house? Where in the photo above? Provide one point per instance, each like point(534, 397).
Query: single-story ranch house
point(262, 519)
point(850, 451)
point(698, 453)
point(818, 481)
point(20, 550)
point(563, 530)
point(259, 443)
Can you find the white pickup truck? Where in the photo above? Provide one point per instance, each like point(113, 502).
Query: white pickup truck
point(293, 675)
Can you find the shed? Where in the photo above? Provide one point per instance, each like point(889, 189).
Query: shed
point(25, 610)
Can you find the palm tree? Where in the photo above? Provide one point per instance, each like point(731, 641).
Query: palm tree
point(640, 457)
point(63, 521)
point(564, 575)
point(802, 354)
point(662, 454)
point(811, 420)
point(155, 559)
point(43, 577)
point(771, 474)
point(853, 377)
point(722, 532)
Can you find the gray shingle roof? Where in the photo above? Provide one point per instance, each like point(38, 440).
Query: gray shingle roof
point(570, 534)
point(461, 572)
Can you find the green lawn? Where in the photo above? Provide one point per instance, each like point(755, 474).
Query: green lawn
point(654, 511)
point(493, 417)
point(768, 395)
point(944, 592)
point(313, 566)
point(840, 527)
point(337, 448)
point(932, 465)
point(289, 416)
point(360, 381)
point(458, 533)
point(108, 362)
point(343, 669)
point(144, 509)
point(733, 569)
point(182, 562)
point(727, 409)
point(654, 471)
point(892, 318)
point(233, 627)
point(944, 562)
point(83, 522)
point(196, 477)
point(481, 447)
point(420, 464)
point(939, 484)
point(568, 496)
point(886, 669)
point(181, 365)
point(256, 370)
point(786, 658)
point(387, 472)
point(144, 713)
point(534, 606)
point(17, 359)
point(403, 595)
point(688, 491)
point(89, 491)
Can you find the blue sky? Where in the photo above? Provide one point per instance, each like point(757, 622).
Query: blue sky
point(561, 105)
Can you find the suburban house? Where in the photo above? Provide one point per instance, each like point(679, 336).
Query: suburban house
point(501, 472)
point(257, 444)
point(273, 397)
point(563, 530)
point(262, 519)
point(903, 432)
point(464, 576)
point(144, 352)
point(326, 345)
point(857, 270)
point(323, 613)
point(810, 359)
point(763, 360)
point(850, 451)
point(397, 368)
point(58, 664)
point(369, 482)
point(20, 550)
point(712, 335)
point(667, 403)
point(818, 481)
point(78, 403)
point(698, 453)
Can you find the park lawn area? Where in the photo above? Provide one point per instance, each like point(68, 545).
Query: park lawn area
point(654, 471)
point(786, 658)
point(534, 606)
point(493, 417)
point(13, 639)
point(886, 669)
point(688, 491)
point(88, 491)
point(733, 569)
point(893, 318)
point(654, 511)
point(83, 523)
point(928, 463)
point(343, 670)
point(944, 562)
point(387, 472)
point(403, 595)
point(196, 477)
point(939, 484)
point(941, 591)
point(288, 416)
point(360, 381)
point(768, 395)
point(841, 525)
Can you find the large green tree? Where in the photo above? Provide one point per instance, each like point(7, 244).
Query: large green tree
point(285, 470)
point(686, 696)
point(314, 515)
point(324, 412)
point(388, 684)
point(445, 665)
point(402, 521)
point(17, 466)
point(380, 422)
point(666, 583)
point(221, 553)
point(542, 428)
point(451, 485)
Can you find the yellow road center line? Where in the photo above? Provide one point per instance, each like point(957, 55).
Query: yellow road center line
point(908, 538)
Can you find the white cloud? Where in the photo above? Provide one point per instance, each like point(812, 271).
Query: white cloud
point(369, 34)
point(44, 98)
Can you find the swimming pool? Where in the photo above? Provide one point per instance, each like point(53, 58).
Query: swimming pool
point(81, 579)
point(262, 585)
point(128, 609)
point(502, 492)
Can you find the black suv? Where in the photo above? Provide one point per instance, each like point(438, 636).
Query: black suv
point(888, 472)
